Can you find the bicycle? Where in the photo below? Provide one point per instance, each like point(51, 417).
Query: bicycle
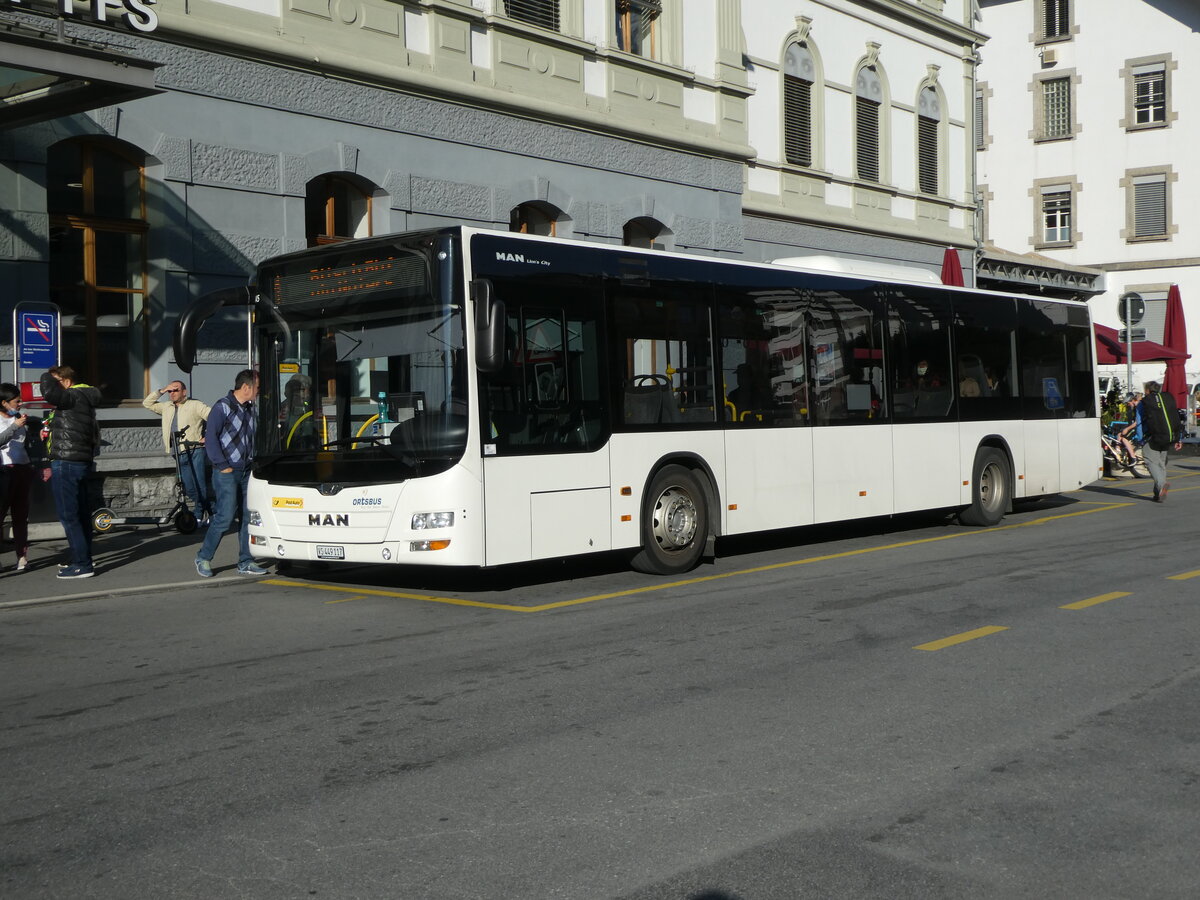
point(1117, 456)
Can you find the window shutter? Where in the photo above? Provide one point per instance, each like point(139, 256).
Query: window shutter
point(927, 155)
point(1149, 206)
point(980, 138)
point(867, 130)
point(1057, 18)
point(797, 120)
point(534, 12)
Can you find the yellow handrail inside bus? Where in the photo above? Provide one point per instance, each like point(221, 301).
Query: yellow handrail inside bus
point(363, 428)
point(292, 433)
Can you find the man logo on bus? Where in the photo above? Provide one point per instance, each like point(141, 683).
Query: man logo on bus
point(327, 519)
point(510, 257)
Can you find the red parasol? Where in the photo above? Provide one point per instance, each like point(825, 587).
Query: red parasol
point(1175, 338)
point(1110, 350)
point(952, 272)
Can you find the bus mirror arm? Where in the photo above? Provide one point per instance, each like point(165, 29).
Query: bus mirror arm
point(489, 327)
point(196, 313)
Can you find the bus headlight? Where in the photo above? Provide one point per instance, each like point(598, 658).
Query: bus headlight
point(255, 518)
point(432, 520)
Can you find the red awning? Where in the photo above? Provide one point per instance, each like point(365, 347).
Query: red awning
point(1110, 350)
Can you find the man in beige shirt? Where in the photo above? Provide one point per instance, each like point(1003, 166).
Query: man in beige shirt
point(183, 433)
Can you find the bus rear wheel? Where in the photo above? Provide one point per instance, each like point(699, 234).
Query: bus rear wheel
point(991, 489)
point(674, 523)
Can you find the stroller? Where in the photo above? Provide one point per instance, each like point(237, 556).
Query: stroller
point(181, 516)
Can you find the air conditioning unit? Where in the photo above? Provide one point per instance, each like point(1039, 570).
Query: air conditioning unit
point(1049, 56)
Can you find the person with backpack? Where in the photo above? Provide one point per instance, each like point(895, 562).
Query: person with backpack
point(72, 446)
point(1160, 425)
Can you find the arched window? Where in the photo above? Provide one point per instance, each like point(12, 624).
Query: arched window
point(643, 232)
point(799, 75)
point(96, 200)
point(929, 121)
point(336, 208)
point(868, 100)
point(534, 218)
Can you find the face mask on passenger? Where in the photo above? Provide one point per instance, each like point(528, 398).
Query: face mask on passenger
point(921, 370)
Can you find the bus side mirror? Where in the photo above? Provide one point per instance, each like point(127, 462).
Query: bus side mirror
point(489, 327)
point(196, 313)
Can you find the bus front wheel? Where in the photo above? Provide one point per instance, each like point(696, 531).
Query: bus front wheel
point(674, 523)
point(991, 489)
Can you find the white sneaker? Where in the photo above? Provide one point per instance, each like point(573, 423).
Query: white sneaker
point(22, 563)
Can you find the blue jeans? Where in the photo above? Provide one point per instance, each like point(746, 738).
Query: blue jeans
point(68, 481)
point(229, 499)
point(193, 471)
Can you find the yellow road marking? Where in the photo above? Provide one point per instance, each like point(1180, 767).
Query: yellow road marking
point(961, 638)
point(344, 600)
point(663, 586)
point(1183, 576)
point(1092, 601)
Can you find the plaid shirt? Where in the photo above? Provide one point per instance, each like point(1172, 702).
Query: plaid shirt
point(229, 440)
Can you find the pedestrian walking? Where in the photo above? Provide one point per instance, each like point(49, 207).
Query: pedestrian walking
point(16, 469)
point(1160, 425)
point(229, 443)
point(73, 442)
point(183, 420)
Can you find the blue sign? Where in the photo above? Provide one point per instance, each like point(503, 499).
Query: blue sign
point(1051, 394)
point(37, 340)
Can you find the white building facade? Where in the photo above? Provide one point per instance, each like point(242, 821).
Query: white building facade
point(1087, 148)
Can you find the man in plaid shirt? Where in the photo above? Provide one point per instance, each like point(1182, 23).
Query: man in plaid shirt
point(229, 443)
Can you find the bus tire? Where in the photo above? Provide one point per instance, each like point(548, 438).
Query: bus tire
point(674, 523)
point(991, 489)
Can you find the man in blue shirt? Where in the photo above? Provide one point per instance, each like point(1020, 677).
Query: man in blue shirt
point(229, 443)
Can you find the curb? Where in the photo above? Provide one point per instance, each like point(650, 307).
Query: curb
point(118, 591)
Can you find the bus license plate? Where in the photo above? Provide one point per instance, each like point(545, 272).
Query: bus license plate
point(324, 551)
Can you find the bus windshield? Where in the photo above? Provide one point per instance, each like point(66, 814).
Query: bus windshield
point(363, 368)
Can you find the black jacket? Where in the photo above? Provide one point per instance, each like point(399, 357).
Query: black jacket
point(74, 433)
point(1160, 420)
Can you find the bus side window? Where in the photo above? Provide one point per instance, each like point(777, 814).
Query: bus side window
point(664, 355)
point(919, 326)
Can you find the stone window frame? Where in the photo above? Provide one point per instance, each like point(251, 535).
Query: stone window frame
point(816, 98)
point(940, 137)
point(1129, 76)
point(1039, 35)
point(1036, 89)
point(981, 118)
point(1036, 192)
point(1128, 182)
point(882, 127)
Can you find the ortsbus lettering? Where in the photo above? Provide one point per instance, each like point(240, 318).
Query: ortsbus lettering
point(135, 14)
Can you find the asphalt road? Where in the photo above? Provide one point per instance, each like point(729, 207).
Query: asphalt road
point(890, 709)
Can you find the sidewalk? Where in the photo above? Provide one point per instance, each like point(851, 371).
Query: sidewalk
point(127, 560)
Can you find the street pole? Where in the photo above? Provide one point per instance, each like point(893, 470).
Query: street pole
point(1128, 341)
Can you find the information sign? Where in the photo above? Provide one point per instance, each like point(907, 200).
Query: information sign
point(37, 340)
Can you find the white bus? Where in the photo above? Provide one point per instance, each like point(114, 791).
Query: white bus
point(463, 397)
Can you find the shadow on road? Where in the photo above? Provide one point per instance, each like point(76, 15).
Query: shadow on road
point(526, 575)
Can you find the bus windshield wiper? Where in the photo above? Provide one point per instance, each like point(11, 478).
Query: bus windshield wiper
point(364, 439)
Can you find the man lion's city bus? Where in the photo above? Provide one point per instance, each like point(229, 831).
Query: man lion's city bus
point(463, 397)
